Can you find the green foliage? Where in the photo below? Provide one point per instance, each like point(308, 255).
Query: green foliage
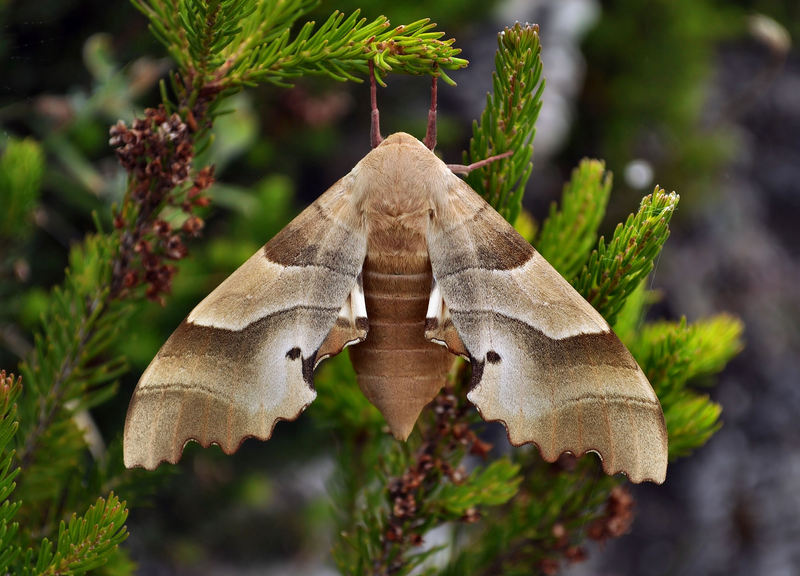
point(549, 514)
point(21, 169)
point(243, 42)
point(67, 372)
point(9, 549)
point(83, 544)
point(674, 354)
point(508, 122)
point(568, 235)
point(491, 485)
point(616, 269)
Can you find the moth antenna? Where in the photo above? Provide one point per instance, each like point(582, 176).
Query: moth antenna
point(466, 169)
point(430, 132)
point(375, 137)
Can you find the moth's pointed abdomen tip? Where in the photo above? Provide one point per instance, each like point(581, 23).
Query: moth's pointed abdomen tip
point(401, 424)
point(401, 435)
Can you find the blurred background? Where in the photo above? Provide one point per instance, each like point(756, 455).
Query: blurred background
point(698, 96)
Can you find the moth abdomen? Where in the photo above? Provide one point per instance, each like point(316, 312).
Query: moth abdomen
point(398, 370)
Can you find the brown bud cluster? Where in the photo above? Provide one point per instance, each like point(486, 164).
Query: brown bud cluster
point(451, 424)
point(157, 151)
point(617, 517)
point(8, 382)
point(429, 466)
point(562, 547)
point(614, 522)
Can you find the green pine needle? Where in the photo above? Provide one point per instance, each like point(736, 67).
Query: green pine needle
point(691, 420)
point(236, 43)
point(568, 234)
point(675, 354)
point(86, 542)
point(491, 485)
point(614, 270)
point(10, 388)
point(508, 121)
point(70, 369)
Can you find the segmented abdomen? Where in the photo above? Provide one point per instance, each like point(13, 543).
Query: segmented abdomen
point(398, 370)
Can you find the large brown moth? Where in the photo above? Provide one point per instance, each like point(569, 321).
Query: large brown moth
point(403, 261)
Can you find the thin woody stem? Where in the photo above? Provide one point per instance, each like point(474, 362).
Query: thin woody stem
point(430, 132)
point(466, 169)
point(375, 137)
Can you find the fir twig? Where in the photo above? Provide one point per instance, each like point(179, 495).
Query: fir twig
point(675, 354)
point(614, 270)
point(432, 490)
point(568, 234)
point(234, 43)
point(68, 370)
point(9, 548)
point(85, 542)
point(508, 121)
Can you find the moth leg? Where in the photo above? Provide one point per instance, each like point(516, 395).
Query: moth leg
point(439, 327)
point(351, 325)
point(466, 169)
point(375, 137)
point(430, 132)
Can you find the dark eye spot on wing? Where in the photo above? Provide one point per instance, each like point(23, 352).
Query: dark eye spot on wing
point(293, 354)
point(492, 357)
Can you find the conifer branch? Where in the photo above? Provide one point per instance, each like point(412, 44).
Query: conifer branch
point(9, 549)
point(85, 542)
point(676, 354)
point(233, 43)
point(616, 269)
point(508, 121)
point(68, 367)
point(568, 234)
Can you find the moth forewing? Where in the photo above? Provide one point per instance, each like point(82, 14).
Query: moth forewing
point(544, 362)
point(244, 357)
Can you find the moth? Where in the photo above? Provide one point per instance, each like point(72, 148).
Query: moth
point(404, 263)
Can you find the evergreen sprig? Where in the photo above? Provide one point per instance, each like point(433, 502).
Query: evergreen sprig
point(490, 485)
point(83, 544)
point(568, 234)
point(9, 548)
point(509, 121)
point(229, 44)
point(68, 371)
point(676, 354)
point(616, 269)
